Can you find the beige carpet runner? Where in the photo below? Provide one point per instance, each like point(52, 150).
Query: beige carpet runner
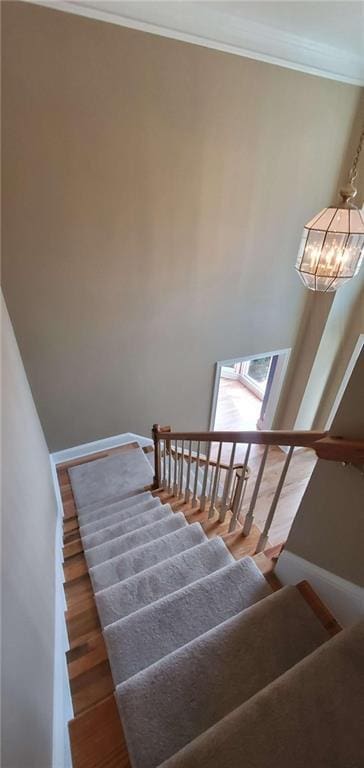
point(211, 670)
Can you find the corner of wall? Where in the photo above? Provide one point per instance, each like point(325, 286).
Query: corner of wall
point(344, 599)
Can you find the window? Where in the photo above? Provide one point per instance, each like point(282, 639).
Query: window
point(254, 374)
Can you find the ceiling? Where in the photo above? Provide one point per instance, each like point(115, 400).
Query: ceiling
point(334, 23)
point(322, 37)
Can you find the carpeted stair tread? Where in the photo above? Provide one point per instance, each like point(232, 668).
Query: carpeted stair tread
point(145, 556)
point(119, 516)
point(134, 539)
point(100, 506)
point(311, 715)
point(116, 506)
point(115, 476)
point(200, 683)
point(144, 637)
point(162, 579)
point(131, 523)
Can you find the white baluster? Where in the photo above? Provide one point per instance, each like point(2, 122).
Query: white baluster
point(175, 469)
point(264, 535)
point(203, 497)
point(211, 481)
point(159, 463)
point(229, 476)
point(250, 515)
point(188, 477)
point(216, 483)
point(233, 490)
point(169, 467)
point(164, 481)
point(197, 467)
point(180, 489)
point(240, 492)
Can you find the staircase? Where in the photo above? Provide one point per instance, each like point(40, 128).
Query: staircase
point(184, 648)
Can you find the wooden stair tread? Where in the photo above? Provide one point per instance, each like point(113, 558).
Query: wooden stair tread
point(326, 618)
point(86, 654)
point(81, 624)
point(274, 552)
point(75, 567)
point(96, 735)
point(69, 510)
point(87, 604)
point(75, 570)
point(264, 563)
point(240, 545)
point(97, 739)
point(77, 590)
point(70, 525)
point(72, 549)
point(91, 686)
point(69, 536)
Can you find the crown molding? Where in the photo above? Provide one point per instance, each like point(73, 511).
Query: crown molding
point(223, 31)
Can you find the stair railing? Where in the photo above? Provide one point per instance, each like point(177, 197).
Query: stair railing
point(196, 462)
point(186, 467)
point(198, 477)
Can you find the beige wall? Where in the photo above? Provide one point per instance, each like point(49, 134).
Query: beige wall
point(156, 193)
point(329, 527)
point(28, 576)
point(331, 352)
point(341, 330)
point(340, 343)
point(326, 337)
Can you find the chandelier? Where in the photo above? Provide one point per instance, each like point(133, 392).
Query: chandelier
point(332, 245)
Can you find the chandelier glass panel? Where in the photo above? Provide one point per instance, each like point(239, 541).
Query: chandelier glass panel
point(332, 245)
point(331, 249)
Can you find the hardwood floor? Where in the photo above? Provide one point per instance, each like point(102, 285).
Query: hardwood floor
point(238, 409)
point(299, 473)
point(302, 464)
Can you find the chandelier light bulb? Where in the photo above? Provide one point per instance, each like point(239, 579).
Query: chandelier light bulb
point(332, 245)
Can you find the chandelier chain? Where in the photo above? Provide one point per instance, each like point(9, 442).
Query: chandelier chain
point(354, 168)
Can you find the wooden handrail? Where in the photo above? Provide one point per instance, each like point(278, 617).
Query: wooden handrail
point(330, 448)
point(299, 439)
point(340, 449)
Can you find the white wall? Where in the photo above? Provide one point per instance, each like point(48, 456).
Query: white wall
point(29, 513)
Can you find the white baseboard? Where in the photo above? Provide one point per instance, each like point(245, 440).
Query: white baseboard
point(344, 599)
point(99, 445)
point(62, 701)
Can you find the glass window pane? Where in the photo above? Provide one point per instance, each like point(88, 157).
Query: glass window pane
point(258, 369)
